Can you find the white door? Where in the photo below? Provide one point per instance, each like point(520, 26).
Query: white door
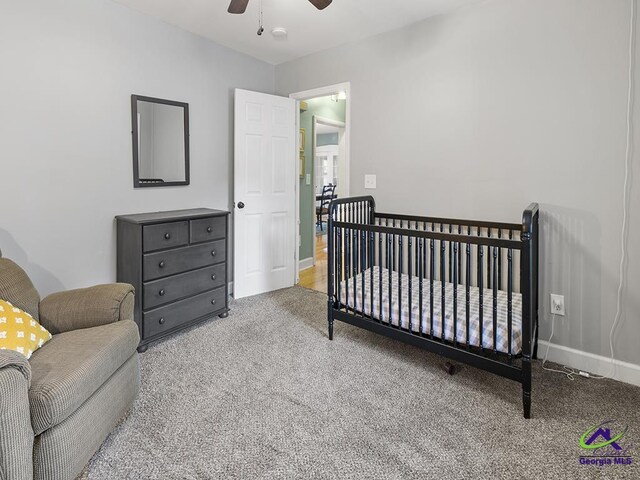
point(264, 193)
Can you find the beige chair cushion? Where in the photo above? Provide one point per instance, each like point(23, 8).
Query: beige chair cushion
point(16, 287)
point(72, 366)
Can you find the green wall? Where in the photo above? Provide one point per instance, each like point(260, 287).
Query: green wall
point(321, 107)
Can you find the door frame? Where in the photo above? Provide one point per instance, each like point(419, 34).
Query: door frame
point(342, 138)
point(306, 95)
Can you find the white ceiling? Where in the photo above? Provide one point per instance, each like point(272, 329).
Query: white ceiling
point(310, 30)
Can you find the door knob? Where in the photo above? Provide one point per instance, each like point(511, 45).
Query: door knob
point(240, 205)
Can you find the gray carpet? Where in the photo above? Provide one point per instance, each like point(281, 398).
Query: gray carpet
point(265, 394)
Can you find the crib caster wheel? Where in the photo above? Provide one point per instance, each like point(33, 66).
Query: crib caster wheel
point(450, 368)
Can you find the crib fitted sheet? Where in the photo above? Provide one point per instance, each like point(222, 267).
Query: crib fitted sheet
point(355, 301)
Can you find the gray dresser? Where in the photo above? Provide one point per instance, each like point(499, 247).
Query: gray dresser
point(177, 262)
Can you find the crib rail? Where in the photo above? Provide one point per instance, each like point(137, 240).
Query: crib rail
point(458, 285)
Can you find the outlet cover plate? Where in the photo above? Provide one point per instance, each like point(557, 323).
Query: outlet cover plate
point(557, 304)
point(370, 181)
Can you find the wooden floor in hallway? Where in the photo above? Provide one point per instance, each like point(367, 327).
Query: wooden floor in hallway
point(315, 277)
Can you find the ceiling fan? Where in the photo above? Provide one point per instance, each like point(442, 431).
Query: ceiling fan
point(239, 6)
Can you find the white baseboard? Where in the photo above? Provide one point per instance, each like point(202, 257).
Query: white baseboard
point(589, 362)
point(306, 263)
point(230, 288)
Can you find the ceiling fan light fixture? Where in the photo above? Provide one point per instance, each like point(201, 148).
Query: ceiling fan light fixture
point(240, 6)
point(279, 32)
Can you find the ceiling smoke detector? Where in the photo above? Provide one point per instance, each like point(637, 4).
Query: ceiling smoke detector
point(279, 32)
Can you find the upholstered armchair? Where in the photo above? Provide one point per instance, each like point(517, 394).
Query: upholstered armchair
point(57, 408)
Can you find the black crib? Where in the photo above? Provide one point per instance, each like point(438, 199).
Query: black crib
point(465, 289)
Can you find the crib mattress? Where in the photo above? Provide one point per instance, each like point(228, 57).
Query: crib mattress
point(400, 310)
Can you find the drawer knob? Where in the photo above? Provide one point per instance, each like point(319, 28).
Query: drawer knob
point(161, 293)
point(213, 277)
point(213, 302)
point(209, 229)
point(161, 321)
point(167, 236)
point(213, 253)
point(161, 264)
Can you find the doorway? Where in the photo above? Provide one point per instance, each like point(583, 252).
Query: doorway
point(323, 120)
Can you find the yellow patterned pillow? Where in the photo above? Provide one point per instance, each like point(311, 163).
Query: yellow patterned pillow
point(19, 331)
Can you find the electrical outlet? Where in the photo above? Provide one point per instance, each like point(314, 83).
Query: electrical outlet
point(557, 304)
point(370, 181)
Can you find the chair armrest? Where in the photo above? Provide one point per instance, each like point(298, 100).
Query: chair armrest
point(16, 433)
point(87, 307)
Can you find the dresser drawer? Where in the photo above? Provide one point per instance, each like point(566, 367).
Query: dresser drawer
point(165, 235)
point(172, 316)
point(207, 229)
point(183, 285)
point(170, 262)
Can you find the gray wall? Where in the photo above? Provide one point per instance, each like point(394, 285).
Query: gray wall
point(68, 70)
point(479, 112)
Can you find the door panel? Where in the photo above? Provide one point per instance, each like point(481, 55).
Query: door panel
point(264, 185)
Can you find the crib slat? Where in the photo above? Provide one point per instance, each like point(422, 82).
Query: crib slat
point(372, 254)
point(390, 250)
point(468, 288)
point(500, 254)
point(372, 259)
point(347, 238)
point(355, 261)
point(341, 263)
point(481, 295)
point(416, 247)
point(424, 259)
point(495, 299)
point(488, 260)
point(421, 282)
point(443, 254)
point(431, 273)
point(380, 264)
point(400, 262)
point(459, 254)
point(450, 266)
point(410, 273)
point(363, 258)
point(336, 261)
point(455, 293)
point(509, 299)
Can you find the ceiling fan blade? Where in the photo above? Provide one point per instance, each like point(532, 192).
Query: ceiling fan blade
point(321, 4)
point(237, 6)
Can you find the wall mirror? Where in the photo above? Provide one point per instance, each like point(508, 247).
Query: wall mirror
point(160, 130)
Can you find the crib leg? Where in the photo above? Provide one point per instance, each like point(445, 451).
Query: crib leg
point(526, 403)
point(535, 343)
point(450, 368)
point(331, 329)
point(526, 387)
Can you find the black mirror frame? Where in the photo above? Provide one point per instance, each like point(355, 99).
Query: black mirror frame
point(134, 137)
